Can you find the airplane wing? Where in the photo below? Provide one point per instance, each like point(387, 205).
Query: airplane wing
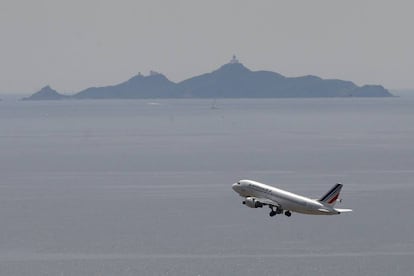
point(266, 201)
point(343, 210)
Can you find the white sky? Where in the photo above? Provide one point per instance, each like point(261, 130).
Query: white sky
point(75, 44)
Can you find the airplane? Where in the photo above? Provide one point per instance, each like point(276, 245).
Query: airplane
point(257, 195)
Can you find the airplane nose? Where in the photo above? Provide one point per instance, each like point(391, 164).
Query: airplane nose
point(235, 187)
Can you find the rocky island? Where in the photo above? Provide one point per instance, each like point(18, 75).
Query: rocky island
point(46, 93)
point(232, 80)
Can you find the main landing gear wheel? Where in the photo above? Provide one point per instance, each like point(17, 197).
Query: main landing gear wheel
point(275, 210)
point(288, 214)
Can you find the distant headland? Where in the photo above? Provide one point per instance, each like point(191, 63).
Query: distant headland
point(232, 80)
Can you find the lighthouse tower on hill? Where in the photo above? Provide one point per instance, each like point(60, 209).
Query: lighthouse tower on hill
point(234, 60)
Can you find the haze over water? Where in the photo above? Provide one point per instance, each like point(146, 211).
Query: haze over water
point(143, 187)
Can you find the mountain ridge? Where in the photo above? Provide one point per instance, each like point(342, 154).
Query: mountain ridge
point(231, 80)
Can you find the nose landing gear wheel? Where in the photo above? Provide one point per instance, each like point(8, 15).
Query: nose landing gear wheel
point(288, 214)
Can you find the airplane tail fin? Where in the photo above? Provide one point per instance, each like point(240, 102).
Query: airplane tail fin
point(331, 197)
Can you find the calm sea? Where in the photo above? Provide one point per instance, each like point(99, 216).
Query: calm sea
point(143, 187)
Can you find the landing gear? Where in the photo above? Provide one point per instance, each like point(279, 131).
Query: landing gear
point(275, 211)
point(288, 213)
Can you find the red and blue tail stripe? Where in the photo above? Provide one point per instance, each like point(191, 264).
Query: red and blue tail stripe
point(331, 196)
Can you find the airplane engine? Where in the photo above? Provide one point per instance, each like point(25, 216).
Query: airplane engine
point(252, 202)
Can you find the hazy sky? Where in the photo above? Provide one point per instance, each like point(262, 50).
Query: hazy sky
point(75, 44)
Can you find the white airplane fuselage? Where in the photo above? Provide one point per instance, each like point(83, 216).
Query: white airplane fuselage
point(283, 199)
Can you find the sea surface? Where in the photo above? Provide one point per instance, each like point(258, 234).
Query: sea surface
point(143, 187)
